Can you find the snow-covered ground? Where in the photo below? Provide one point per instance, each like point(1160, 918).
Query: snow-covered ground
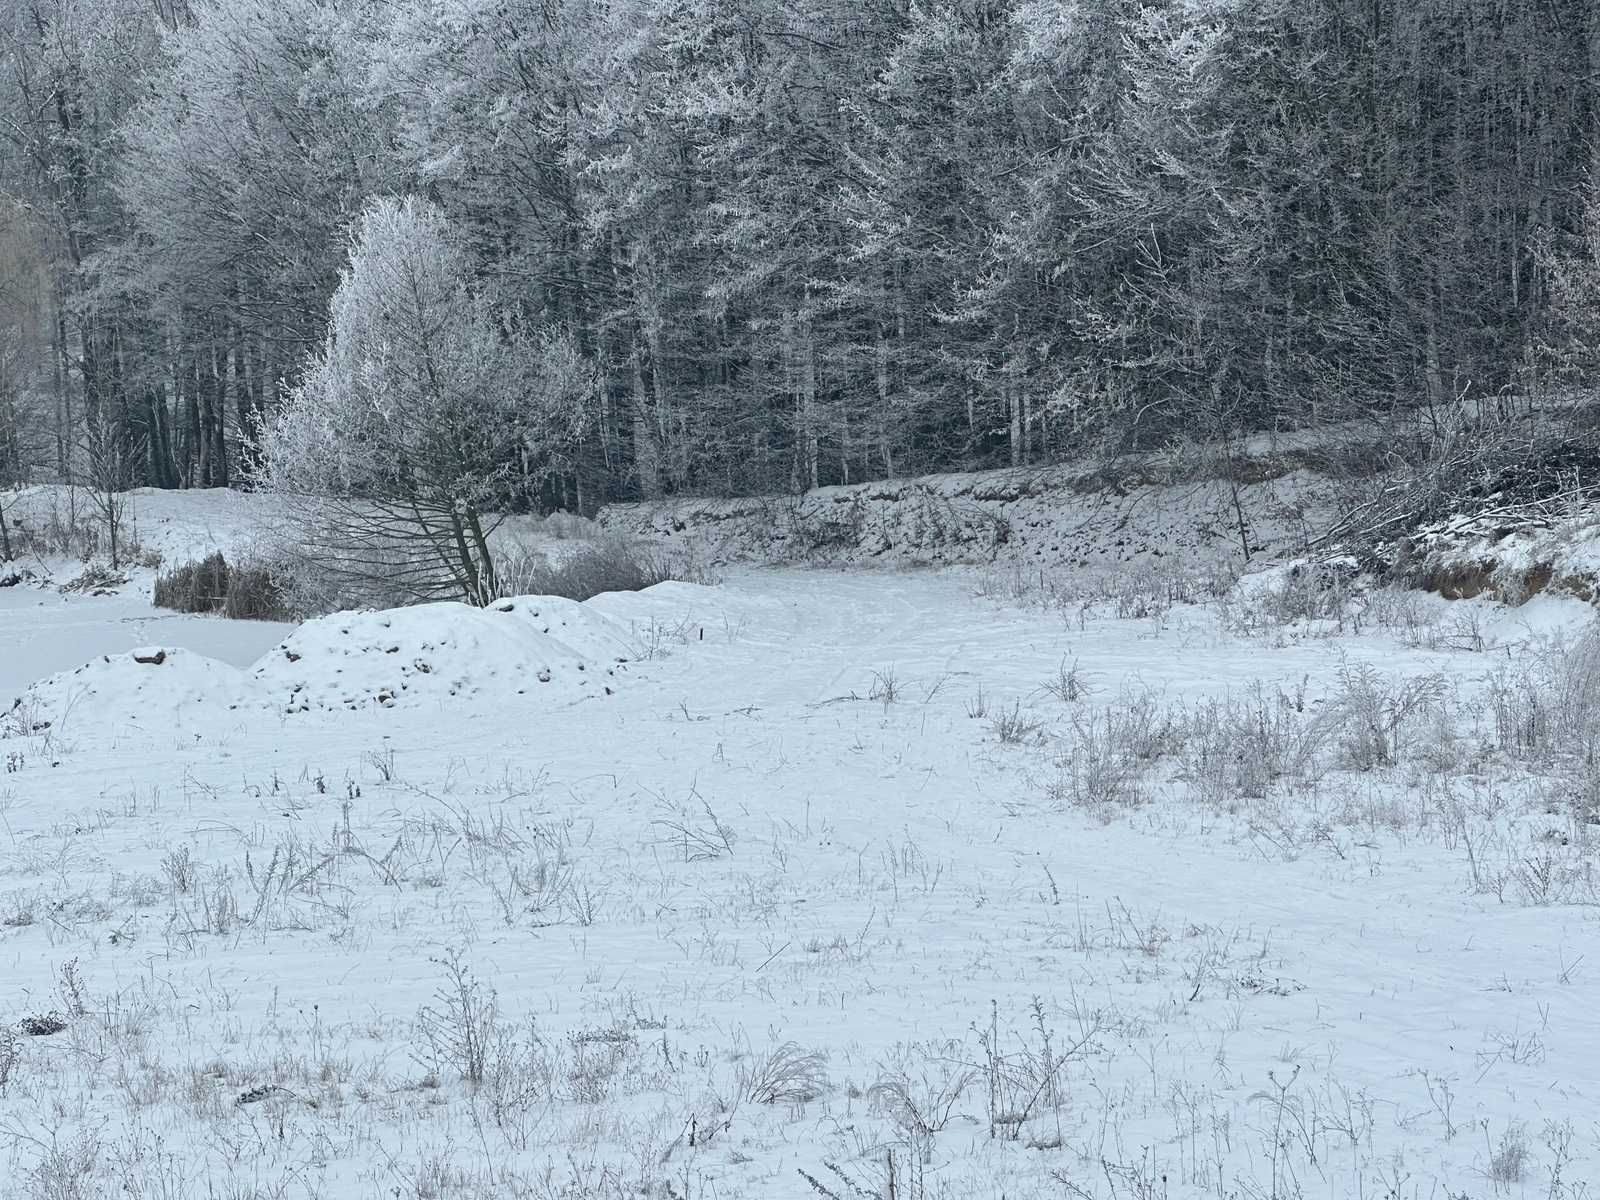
point(1132, 886)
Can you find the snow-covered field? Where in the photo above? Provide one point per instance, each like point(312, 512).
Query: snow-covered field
point(845, 884)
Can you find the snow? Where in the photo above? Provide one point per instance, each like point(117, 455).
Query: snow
point(150, 688)
point(796, 818)
point(44, 632)
point(578, 627)
point(431, 653)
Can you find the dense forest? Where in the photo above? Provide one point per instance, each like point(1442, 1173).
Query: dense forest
point(760, 245)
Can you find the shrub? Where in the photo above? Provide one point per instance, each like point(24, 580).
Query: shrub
point(1101, 766)
point(1013, 727)
point(10, 1056)
point(53, 533)
point(921, 1085)
point(1239, 746)
point(96, 579)
point(1375, 712)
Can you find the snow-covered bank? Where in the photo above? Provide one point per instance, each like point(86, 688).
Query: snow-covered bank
point(1048, 517)
point(1510, 554)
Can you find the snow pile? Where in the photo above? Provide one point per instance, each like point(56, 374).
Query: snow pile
point(149, 688)
point(427, 654)
point(574, 625)
point(672, 599)
point(664, 613)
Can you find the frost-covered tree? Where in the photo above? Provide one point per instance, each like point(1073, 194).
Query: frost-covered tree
point(70, 71)
point(559, 410)
point(800, 243)
point(405, 429)
point(244, 162)
point(24, 339)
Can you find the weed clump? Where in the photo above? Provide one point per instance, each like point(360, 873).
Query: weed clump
point(212, 585)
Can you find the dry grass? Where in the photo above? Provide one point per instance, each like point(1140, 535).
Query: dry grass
point(246, 592)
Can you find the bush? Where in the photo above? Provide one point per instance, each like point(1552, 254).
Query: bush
point(54, 533)
point(1238, 747)
point(96, 579)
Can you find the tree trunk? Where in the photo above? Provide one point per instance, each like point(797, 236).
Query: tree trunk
point(885, 450)
point(646, 446)
point(63, 396)
point(487, 584)
point(810, 442)
point(1013, 401)
point(194, 452)
point(216, 431)
point(158, 444)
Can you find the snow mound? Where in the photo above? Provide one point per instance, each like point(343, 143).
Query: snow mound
point(406, 657)
point(576, 627)
point(672, 600)
point(148, 688)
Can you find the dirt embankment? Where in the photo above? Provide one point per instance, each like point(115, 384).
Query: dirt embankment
point(1058, 516)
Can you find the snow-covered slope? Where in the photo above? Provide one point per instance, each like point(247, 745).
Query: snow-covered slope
point(1511, 554)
